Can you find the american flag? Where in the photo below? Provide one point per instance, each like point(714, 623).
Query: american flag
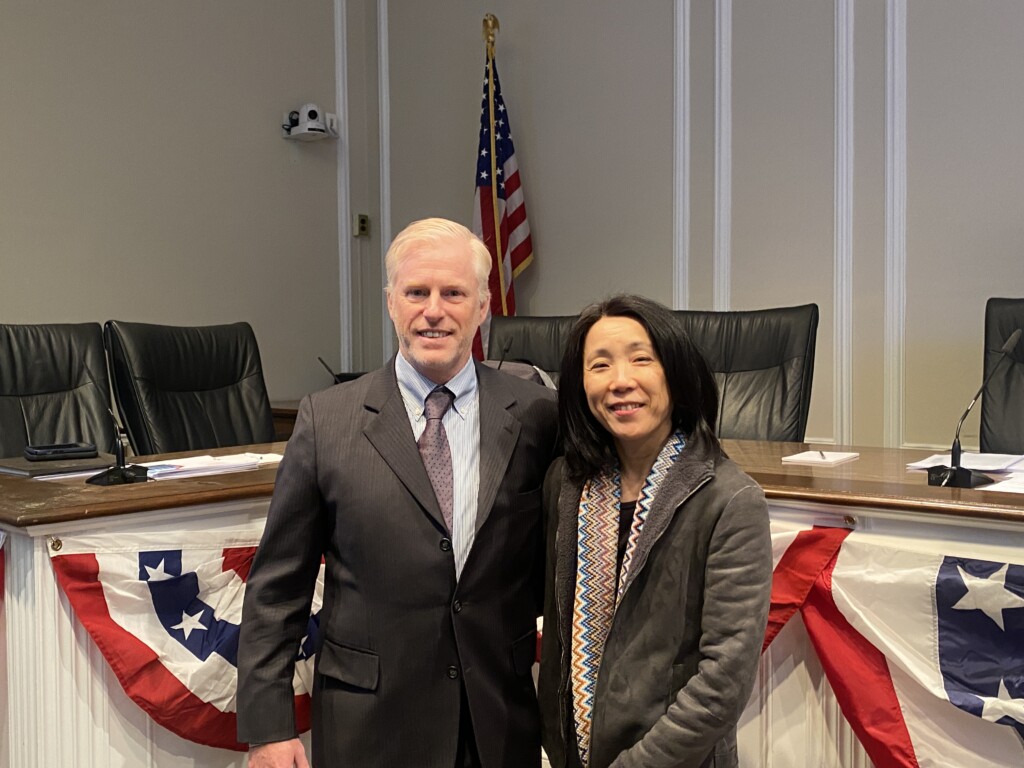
point(499, 213)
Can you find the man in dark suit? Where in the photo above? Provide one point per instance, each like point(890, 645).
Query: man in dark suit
point(432, 586)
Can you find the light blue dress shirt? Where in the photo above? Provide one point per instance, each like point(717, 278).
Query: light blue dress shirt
point(462, 425)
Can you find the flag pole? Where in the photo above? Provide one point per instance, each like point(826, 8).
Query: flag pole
point(490, 31)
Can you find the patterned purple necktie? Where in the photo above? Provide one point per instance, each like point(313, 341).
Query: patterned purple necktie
point(436, 453)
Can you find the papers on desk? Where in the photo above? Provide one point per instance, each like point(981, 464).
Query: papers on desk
point(197, 466)
point(1011, 483)
point(981, 462)
point(821, 458)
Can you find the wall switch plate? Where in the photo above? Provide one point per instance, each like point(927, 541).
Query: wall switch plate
point(361, 225)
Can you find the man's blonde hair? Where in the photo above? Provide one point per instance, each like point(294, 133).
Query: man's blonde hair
point(434, 232)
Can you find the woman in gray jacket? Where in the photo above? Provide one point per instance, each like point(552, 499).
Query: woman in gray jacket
point(659, 558)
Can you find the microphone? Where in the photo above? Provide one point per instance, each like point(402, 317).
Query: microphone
point(339, 378)
point(325, 365)
point(504, 351)
point(119, 474)
point(955, 476)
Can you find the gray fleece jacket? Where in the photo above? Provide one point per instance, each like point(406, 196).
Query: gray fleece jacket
point(682, 653)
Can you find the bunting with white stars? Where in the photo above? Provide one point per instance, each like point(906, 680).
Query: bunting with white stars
point(168, 599)
point(499, 209)
point(924, 650)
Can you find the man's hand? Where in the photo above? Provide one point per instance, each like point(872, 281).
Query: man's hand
point(278, 754)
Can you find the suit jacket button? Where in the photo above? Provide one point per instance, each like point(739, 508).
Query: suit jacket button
point(446, 545)
point(453, 672)
point(456, 606)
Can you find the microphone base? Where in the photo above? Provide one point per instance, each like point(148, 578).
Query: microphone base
point(120, 476)
point(956, 477)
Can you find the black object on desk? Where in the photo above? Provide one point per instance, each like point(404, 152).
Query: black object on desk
point(57, 451)
point(22, 467)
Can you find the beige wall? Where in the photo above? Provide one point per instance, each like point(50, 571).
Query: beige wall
point(965, 198)
point(782, 171)
point(589, 88)
point(143, 176)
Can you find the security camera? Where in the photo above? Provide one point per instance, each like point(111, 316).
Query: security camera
point(310, 120)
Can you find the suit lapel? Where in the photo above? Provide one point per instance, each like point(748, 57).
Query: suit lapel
point(391, 436)
point(499, 433)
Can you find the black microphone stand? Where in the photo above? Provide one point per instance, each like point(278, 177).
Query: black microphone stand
point(504, 351)
point(120, 474)
point(339, 378)
point(955, 476)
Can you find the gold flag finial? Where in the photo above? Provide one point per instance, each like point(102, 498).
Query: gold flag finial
point(491, 28)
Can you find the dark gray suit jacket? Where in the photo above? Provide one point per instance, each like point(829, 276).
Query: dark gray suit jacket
point(399, 636)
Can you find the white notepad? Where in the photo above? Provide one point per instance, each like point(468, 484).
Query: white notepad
point(821, 458)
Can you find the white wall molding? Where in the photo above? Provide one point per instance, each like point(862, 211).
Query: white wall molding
point(344, 197)
point(681, 160)
point(842, 409)
point(723, 155)
point(895, 220)
point(387, 338)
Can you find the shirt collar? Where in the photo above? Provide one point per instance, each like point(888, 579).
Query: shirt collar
point(415, 387)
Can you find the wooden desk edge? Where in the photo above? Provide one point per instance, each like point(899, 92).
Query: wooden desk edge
point(976, 511)
point(27, 503)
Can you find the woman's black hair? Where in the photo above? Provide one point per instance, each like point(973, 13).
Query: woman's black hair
point(588, 445)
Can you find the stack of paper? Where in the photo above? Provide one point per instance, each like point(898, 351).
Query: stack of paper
point(980, 462)
point(1010, 483)
point(197, 466)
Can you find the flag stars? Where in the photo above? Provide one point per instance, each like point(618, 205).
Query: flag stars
point(158, 573)
point(1002, 705)
point(189, 623)
point(483, 175)
point(483, 153)
point(988, 595)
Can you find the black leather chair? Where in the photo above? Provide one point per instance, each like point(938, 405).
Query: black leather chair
point(539, 341)
point(1002, 403)
point(53, 387)
point(763, 361)
point(188, 388)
